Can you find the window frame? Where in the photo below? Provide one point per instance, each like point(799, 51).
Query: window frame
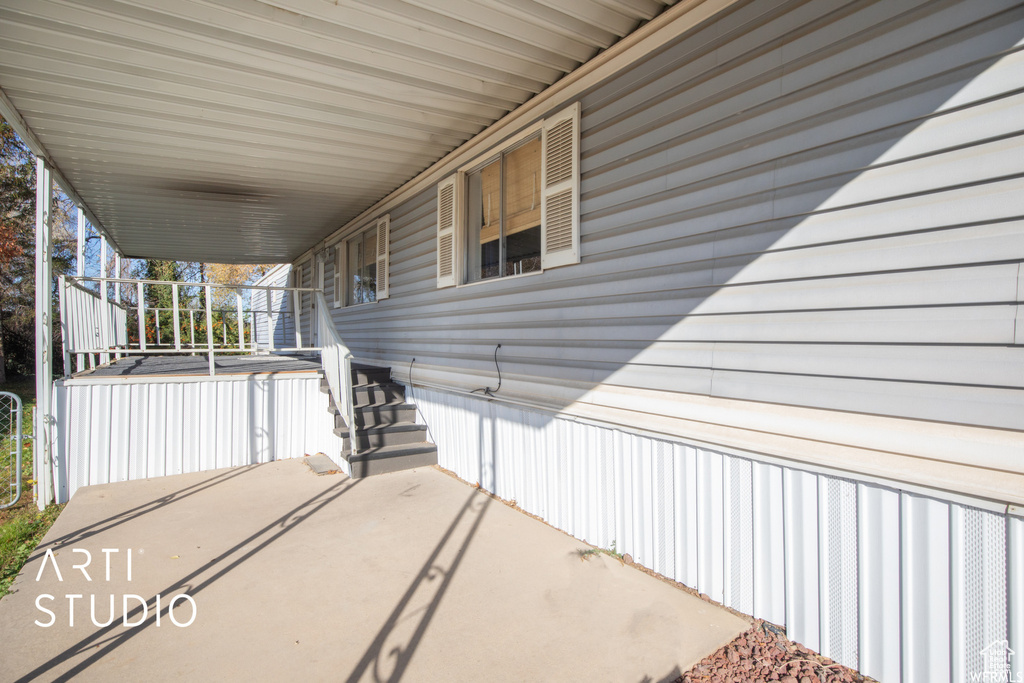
point(381, 229)
point(496, 153)
point(452, 220)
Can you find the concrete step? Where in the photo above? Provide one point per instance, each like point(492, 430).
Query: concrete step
point(384, 435)
point(392, 459)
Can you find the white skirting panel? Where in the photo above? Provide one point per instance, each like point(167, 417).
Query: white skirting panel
point(121, 430)
point(902, 586)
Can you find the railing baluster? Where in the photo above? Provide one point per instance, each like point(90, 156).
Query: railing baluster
point(209, 326)
point(177, 317)
point(241, 323)
point(142, 318)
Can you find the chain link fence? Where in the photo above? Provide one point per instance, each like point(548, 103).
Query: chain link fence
point(10, 449)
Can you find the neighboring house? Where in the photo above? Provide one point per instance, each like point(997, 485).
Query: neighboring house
point(743, 297)
point(274, 330)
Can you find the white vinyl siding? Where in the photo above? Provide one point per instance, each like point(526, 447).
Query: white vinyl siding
point(807, 209)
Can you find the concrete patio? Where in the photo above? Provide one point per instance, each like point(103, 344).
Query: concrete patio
point(412, 576)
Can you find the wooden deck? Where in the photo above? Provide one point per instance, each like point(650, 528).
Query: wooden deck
point(159, 365)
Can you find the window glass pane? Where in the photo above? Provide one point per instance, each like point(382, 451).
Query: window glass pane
point(361, 287)
point(522, 209)
point(483, 220)
point(369, 265)
point(355, 248)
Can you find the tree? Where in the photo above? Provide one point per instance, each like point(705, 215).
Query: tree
point(17, 255)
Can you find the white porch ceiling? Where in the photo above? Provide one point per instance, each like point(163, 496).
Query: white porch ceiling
point(246, 130)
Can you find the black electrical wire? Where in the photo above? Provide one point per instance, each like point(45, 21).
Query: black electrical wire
point(487, 391)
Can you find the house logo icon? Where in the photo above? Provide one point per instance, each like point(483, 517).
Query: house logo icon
point(996, 662)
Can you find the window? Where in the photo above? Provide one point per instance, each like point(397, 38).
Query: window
point(361, 265)
point(515, 210)
point(503, 214)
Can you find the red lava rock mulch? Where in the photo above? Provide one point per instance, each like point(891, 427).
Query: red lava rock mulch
point(764, 654)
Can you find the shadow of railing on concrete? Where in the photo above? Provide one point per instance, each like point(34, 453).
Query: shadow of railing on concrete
point(378, 653)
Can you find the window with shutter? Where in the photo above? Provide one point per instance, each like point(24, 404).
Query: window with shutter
point(520, 206)
point(363, 265)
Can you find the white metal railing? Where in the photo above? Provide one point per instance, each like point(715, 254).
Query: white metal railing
point(89, 322)
point(336, 360)
point(92, 329)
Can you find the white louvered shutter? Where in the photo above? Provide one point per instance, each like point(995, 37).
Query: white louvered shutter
point(447, 215)
point(383, 256)
point(339, 274)
point(560, 206)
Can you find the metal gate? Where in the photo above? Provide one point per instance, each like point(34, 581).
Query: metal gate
point(10, 449)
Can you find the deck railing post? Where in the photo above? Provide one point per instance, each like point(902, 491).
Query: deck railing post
point(142, 318)
point(192, 328)
point(104, 308)
point(297, 303)
point(117, 299)
point(80, 269)
point(241, 322)
point(65, 322)
point(209, 326)
point(177, 317)
point(270, 319)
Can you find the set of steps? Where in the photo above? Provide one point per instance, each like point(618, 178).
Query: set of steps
point(387, 437)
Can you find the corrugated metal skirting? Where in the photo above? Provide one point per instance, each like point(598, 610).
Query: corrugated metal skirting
point(900, 586)
point(124, 431)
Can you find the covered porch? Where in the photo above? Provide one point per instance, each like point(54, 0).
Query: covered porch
point(413, 576)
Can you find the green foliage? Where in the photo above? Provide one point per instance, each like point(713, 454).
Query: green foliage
point(17, 254)
point(23, 526)
point(20, 533)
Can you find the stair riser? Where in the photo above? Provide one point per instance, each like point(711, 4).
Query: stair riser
point(371, 377)
point(379, 439)
point(384, 415)
point(366, 467)
point(385, 393)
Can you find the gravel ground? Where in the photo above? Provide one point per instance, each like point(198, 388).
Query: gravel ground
point(764, 654)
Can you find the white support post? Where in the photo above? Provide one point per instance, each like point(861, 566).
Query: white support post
point(117, 296)
point(297, 298)
point(43, 451)
point(156, 321)
point(241, 321)
point(224, 327)
point(192, 328)
point(142, 318)
point(177, 317)
point(270, 318)
point(80, 251)
point(209, 327)
point(104, 306)
point(80, 270)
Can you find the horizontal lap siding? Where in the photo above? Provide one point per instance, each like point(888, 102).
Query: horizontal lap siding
point(282, 321)
point(806, 203)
